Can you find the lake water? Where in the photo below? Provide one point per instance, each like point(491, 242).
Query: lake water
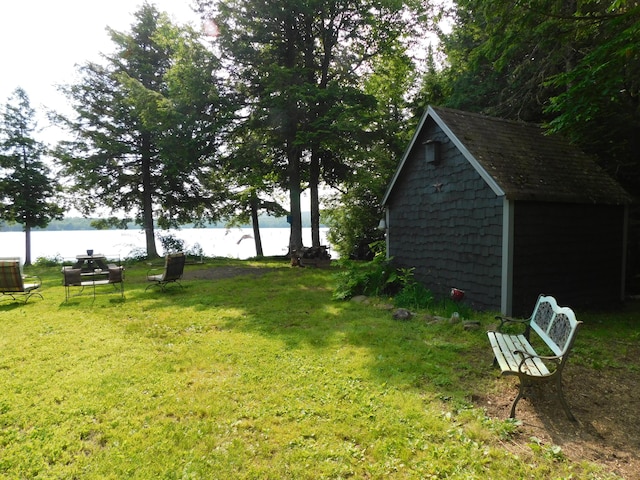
point(215, 242)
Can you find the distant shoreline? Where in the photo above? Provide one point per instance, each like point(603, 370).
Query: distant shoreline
point(81, 223)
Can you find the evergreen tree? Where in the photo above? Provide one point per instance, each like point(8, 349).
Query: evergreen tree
point(299, 67)
point(598, 104)
point(572, 65)
point(354, 213)
point(28, 193)
point(252, 183)
point(147, 125)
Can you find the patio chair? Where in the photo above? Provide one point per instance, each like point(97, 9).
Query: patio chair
point(172, 273)
point(13, 282)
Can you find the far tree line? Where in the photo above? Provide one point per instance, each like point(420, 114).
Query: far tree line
point(181, 126)
point(70, 223)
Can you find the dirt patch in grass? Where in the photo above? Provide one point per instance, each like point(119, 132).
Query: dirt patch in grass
point(219, 273)
point(605, 402)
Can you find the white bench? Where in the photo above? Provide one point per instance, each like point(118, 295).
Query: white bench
point(513, 353)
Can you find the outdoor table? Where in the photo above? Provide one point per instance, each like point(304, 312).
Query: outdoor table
point(91, 263)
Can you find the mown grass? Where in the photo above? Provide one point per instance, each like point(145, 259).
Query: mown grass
point(247, 377)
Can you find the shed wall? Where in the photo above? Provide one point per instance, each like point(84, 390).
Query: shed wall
point(573, 252)
point(446, 223)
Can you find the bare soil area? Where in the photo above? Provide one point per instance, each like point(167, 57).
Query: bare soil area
point(606, 404)
point(216, 273)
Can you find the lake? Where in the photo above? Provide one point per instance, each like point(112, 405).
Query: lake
point(215, 242)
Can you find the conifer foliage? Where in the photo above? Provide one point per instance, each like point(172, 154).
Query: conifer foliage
point(145, 128)
point(28, 193)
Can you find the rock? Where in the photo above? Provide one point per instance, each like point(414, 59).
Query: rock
point(385, 306)
point(360, 299)
point(402, 314)
point(471, 325)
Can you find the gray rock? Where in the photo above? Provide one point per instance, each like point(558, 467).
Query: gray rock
point(360, 299)
point(402, 314)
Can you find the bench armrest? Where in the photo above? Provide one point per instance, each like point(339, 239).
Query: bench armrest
point(557, 359)
point(520, 321)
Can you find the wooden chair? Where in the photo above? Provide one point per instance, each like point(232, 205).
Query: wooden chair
point(13, 282)
point(173, 270)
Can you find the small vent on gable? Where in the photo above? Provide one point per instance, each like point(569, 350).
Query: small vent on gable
point(432, 151)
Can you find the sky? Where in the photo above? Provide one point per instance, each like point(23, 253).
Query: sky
point(41, 42)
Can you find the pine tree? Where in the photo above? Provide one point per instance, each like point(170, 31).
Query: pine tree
point(146, 126)
point(28, 193)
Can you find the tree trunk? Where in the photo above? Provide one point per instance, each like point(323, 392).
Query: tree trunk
point(290, 132)
point(314, 181)
point(295, 238)
point(27, 245)
point(147, 200)
point(256, 226)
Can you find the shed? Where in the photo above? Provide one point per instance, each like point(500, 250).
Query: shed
point(505, 212)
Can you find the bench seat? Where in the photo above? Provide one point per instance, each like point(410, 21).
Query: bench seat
point(507, 348)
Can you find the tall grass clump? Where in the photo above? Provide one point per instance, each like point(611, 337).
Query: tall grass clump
point(413, 294)
point(374, 278)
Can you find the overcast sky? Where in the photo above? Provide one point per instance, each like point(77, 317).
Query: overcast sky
point(41, 41)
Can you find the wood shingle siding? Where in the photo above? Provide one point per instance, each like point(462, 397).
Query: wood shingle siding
point(505, 213)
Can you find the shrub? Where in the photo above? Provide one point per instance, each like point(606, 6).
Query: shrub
point(372, 278)
point(136, 255)
point(195, 251)
point(48, 261)
point(171, 243)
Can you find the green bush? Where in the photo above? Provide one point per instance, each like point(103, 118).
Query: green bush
point(374, 278)
point(170, 243)
point(48, 261)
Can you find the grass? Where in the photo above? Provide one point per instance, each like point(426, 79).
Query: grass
point(248, 377)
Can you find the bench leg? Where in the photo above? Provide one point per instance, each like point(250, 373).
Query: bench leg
point(523, 386)
point(563, 401)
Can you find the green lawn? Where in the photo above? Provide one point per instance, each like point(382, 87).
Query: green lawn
point(247, 377)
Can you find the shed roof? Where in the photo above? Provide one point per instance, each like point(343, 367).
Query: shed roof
point(522, 162)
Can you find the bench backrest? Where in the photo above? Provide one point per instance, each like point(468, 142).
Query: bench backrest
point(11, 275)
point(555, 325)
point(72, 276)
point(116, 274)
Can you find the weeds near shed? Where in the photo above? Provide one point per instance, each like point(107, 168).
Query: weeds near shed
point(414, 295)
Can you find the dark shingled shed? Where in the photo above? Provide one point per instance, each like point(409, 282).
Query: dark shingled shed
point(505, 212)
